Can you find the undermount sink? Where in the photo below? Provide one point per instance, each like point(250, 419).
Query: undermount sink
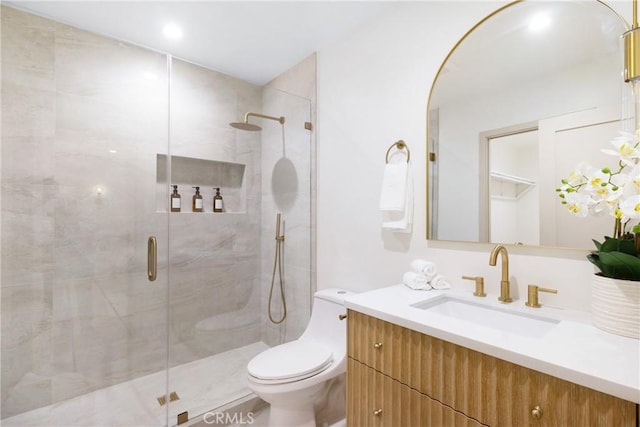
point(494, 317)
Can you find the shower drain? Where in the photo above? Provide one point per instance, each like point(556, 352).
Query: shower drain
point(173, 396)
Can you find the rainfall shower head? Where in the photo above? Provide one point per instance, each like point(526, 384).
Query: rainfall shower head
point(245, 125)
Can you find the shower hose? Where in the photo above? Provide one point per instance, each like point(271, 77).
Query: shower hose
point(277, 266)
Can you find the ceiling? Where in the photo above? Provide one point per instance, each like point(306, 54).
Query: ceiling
point(251, 40)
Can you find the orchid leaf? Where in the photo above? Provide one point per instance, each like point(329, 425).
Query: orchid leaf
point(619, 245)
point(620, 265)
point(597, 244)
point(606, 270)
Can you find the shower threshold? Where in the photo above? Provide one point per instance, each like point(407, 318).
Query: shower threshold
point(202, 385)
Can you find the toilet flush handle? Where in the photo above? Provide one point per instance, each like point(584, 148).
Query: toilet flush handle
point(342, 316)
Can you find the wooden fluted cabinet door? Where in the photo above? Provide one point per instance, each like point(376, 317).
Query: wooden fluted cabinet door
point(376, 400)
point(489, 390)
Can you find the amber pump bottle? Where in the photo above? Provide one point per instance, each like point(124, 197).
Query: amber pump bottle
point(197, 202)
point(217, 201)
point(175, 200)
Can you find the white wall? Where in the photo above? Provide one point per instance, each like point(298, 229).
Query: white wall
point(373, 88)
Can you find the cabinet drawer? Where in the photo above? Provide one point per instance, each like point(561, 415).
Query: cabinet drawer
point(376, 400)
point(490, 390)
point(380, 345)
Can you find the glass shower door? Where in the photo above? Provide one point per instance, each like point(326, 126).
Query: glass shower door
point(215, 322)
point(84, 330)
point(221, 262)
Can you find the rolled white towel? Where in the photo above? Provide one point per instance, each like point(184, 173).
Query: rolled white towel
point(439, 282)
point(425, 267)
point(417, 281)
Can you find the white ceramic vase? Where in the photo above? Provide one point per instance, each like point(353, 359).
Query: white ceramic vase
point(615, 306)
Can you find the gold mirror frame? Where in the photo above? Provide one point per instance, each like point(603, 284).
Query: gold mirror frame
point(430, 155)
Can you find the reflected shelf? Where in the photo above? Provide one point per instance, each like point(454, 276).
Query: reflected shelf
point(517, 186)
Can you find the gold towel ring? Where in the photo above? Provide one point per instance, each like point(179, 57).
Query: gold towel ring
point(400, 145)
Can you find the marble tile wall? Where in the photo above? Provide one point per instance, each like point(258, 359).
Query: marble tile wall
point(28, 258)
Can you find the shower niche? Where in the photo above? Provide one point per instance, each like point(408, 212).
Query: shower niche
point(188, 172)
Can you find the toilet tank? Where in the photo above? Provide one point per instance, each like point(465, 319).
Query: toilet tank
point(324, 325)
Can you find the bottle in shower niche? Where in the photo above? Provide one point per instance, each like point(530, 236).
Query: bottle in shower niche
point(175, 200)
point(217, 201)
point(197, 205)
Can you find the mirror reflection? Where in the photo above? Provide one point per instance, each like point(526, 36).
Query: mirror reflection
point(530, 92)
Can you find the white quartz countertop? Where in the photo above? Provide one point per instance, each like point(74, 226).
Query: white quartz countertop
point(573, 350)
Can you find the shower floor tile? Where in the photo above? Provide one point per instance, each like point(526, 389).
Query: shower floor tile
point(201, 385)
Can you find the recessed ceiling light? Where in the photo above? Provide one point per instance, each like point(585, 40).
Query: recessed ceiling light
point(172, 31)
point(539, 22)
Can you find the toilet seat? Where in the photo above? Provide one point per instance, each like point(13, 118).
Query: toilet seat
point(293, 361)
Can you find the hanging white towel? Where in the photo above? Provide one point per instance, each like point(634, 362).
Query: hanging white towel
point(416, 281)
point(427, 268)
point(394, 187)
point(400, 221)
point(439, 282)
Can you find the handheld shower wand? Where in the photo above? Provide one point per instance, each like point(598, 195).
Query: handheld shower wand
point(279, 237)
point(277, 265)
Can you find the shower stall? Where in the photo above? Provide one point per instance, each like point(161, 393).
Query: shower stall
point(95, 132)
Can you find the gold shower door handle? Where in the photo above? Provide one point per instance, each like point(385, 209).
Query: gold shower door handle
point(152, 258)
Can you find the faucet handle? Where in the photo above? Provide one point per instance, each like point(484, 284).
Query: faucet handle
point(479, 292)
point(532, 295)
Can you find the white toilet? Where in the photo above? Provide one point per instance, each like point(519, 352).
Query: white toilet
point(292, 376)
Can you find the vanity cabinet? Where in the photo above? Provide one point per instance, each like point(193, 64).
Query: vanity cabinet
point(393, 370)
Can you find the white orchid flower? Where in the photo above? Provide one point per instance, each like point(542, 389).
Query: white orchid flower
point(614, 191)
point(578, 204)
point(629, 180)
point(602, 208)
point(608, 205)
point(598, 185)
point(630, 207)
point(626, 147)
point(578, 175)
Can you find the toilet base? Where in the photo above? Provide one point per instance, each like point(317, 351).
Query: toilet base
point(303, 416)
point(293, 407)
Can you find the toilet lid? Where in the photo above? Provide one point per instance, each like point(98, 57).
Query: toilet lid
point(294, 359)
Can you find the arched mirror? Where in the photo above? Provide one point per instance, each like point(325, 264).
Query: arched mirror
point(527, 94)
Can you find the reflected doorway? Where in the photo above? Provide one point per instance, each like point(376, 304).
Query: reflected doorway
point(513, 176)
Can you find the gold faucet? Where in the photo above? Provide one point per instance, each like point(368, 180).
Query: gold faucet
point(504, 282)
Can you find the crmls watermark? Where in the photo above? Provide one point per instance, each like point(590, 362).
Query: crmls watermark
point(225, 418)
